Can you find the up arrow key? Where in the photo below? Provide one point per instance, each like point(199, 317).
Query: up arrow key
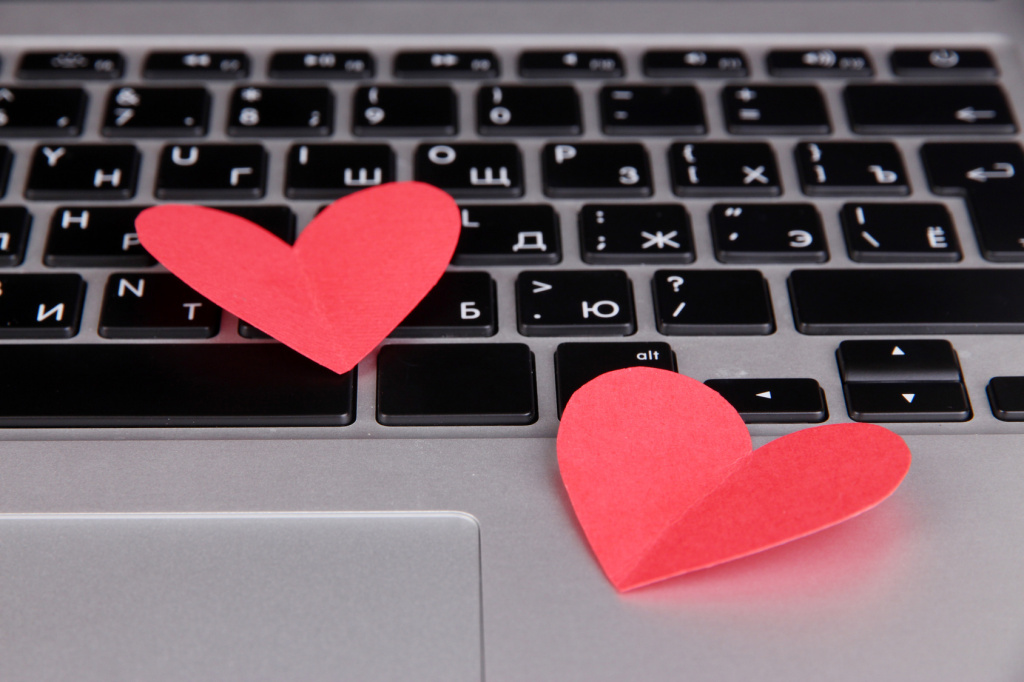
point(896, 350)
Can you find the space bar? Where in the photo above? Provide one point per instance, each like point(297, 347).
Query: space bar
point(885, 301)
point(259, 384)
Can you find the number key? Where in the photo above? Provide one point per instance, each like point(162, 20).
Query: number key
point(35, 112)
point(528, 110)
point(281, 111)
point(156, 112)
point(386, 111)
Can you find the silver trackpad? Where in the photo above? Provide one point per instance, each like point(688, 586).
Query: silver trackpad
point(319, 596)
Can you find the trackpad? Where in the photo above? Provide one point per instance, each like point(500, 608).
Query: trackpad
point(319, 596)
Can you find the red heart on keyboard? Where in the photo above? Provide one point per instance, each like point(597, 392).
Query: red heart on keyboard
point(660, 472)
point(352, 276)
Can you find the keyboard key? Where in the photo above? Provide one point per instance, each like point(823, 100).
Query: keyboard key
point(6, 158)
point(786, 109)
point(36, 112)
point(211, 171)
point(578, 363)
point(471, 170)
point(768, 233)
point(508, 235)
point(943, 63)
point(900, 233)
point(278, 220)
point(157, 112)
point(39, 307)
point(528, 110)
point(95, 236)
point(93, 385)
point(636, 233)
point(85, 171)
point(71, 66)
point(1006, 394)
point(460, 304)
point(930, 401)
point(292, 112)
point(15, 222)
point(991, 177)
point(596, 170)
point(845, 168)
point(328, 171)
point(724, 169)
point(575, 303)
point(928, 109)
point(386, 111)
point(155, 306)
point(204, 65)
point(695, 64)
point(458, 64)
point(774, 401)
point(898, 360)
point(571, 64)
point(652, 110)
point(818, 63)
point(712, 302)
point(904, 301)
point(320, 64)
point(456, 385)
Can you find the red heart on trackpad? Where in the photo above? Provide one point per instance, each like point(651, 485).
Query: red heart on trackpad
point(352, 276)
point(660, 472)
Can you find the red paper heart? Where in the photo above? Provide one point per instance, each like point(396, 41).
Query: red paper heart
point(660, 472)
point(352, 276)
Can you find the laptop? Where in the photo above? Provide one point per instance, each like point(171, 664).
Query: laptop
point(815, 207)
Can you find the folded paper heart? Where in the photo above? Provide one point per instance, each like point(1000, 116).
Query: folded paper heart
point(352, 276)
point(661, 474)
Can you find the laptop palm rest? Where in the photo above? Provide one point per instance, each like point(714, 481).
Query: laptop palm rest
point(262, 596)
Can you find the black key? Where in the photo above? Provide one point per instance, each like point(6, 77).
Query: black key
point(91, 385)
point(575, 303)
point(845, 168)
point(768, 233)
point(596, 170)
point(39, 307)
point(991, 177)
point(460, 304)
point(712, 302)
point(943, 62)
point(1006, 394)
point(155, 306)
point(458, 64)
point(471, 170)
point(85, 171)
point(211, 171)
point(571, 64)
point(205, 65)
point(386, 111)
point(95, 236)
point(291, 112)
point(774, 401)
point(456, 384)
point(328, 171)
point(635, 233)
point(652, 110)
point(578, 363)
point(930, 401)
point(320, 64)
point(71, 66)
point(508, 235)
point(6, 158)
point(898, 360)
point(157, 112)
point(695, 64)
point(15, 222)
point(817, 63)
point(761, 109)
point(35, 112)
point(528, 110)
point(724, 169)
point(907, 301)
point(928, 109)
point(900, 233)
point(278, 220)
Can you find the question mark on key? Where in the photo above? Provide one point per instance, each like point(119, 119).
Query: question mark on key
point(676, 281)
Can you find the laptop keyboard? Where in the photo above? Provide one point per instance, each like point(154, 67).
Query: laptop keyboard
point(820, 234)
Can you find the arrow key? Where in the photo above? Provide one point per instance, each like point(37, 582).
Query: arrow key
point(774, 401)
point(920, 401)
